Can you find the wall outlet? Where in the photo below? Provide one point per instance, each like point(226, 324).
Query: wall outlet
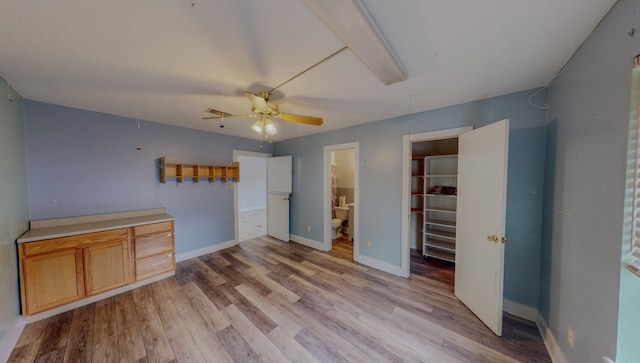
point(369, 243)
point(570, 337)
point(308, 228)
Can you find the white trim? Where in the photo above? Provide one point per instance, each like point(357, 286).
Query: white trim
point(520, 310)
point(380, 265)
point(11, 338)
point(406, 185)
point(94, 298)
point(326, 195)
point(205, 250)
point(555, 353)
point(236, 153)
point(307, 242)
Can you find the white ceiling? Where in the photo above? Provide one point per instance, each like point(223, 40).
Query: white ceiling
point(169, 60)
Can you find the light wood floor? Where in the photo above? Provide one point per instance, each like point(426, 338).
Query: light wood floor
point(269, 301)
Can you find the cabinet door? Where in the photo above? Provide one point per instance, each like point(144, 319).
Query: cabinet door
point(53, 279)
point(106, 266)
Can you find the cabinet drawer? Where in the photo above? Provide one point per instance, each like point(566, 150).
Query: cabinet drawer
point(71, 242)
point(154, 265)
point(152, 228)
point(154, 244)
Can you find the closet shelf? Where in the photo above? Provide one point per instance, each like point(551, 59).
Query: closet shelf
point(440, 210)
point(441, 255)
point(180, 171)
point(441, 195)
point(440, 176)
point(441, 234)
point(437, 222)
point(441, 245)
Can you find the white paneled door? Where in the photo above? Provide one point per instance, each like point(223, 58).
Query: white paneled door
point(278, 193)
point(480, 233)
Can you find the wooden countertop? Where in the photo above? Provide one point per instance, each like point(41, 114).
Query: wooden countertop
point(71, 226)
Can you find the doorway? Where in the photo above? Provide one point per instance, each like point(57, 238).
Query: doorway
point(410, 232)
point(341, 170)
point(433, 209)
point(480, 213)
point(250, 195)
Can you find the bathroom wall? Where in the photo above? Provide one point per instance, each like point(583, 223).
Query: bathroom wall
point(344, 161)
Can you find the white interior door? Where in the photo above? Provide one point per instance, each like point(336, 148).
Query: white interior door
point(278, 192)
point(482, 189)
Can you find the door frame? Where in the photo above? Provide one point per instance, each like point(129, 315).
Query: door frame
point(326, 195)
point(236, 153)
point(407, 141)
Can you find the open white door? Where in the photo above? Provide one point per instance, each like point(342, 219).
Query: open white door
point(278, 192)
point(482, 189)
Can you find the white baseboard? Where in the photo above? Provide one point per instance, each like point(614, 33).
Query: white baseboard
point(205, 250)
point(550, 341)
point(380, 265)
point(307, 242)
point(11, 339)
point(520, 310)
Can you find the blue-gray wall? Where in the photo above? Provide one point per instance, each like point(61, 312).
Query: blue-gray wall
point(14, 212)
point(590, 110)
point(81, 162)
point(381, 182)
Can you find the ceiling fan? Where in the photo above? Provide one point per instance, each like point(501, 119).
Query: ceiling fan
point(265, 110)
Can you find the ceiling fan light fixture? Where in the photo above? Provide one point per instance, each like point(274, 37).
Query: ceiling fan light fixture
point(270, 127)
point(257, 127)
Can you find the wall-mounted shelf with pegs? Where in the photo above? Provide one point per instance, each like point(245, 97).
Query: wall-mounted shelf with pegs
point(197, 172)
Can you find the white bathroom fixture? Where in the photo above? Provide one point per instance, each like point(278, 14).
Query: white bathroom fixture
point(336, 227)
point(342, 213)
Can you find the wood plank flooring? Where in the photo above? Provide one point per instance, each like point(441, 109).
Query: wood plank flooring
point(269, 301)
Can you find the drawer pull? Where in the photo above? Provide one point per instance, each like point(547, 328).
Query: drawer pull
point(170, 255)
point(169, 234)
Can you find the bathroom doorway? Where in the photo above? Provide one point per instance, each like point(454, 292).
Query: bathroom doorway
point(340, 179)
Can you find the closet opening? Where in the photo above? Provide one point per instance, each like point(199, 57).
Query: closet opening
point(433, 195)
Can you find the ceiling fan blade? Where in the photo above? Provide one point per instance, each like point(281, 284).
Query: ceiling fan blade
point(229, 116)
point(309, 120)
point(217, 112)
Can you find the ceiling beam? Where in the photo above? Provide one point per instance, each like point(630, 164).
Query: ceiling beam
point(351, 22)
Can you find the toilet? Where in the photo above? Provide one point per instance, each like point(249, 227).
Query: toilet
point(342, 214)
point(336, 227)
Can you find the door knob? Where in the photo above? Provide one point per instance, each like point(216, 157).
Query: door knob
point(495, 238)
point(285, 198)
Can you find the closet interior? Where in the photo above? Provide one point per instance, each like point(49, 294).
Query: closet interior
point(434, 180)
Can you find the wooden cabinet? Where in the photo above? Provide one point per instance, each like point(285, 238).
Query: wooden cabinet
point(62, 270)
point(51, 279)
point(58, 271)
point(440, 202)
point(106, 266)
point(154, 249)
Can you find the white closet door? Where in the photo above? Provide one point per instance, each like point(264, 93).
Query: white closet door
point(482, 189)
point(279, 175)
